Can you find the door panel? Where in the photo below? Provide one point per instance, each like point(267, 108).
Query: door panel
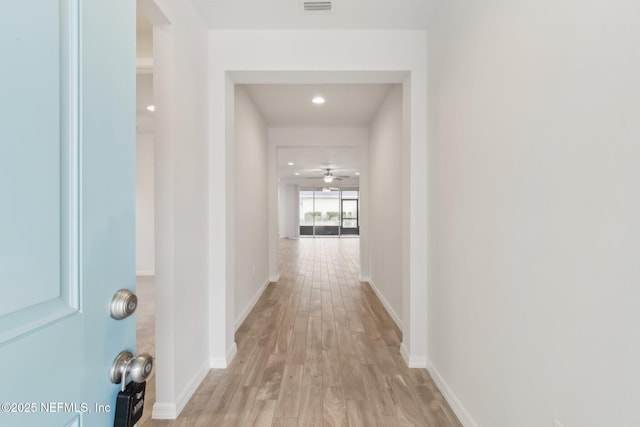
point(67, 147)
point(35, 133)
point(349, 223)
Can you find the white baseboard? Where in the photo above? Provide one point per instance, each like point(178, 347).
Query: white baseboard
point(164, 411)
point(365, 279)
point(451, 398)
point(145, 273)
point(170, 411)
point(218, 363)
point(386, 304)
point(251, 304)
point(232, 353)
point(417, 362)
point(274, 278)
point(412, 361)
point(192, 386)
point(404, 353)
point(223, 362)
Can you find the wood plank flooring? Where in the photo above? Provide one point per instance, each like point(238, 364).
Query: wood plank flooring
point(318, 350)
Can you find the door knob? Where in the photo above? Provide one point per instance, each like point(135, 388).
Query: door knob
point(123, 304)
point(138, 367)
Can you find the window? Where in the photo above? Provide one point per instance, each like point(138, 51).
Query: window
point(329, 213)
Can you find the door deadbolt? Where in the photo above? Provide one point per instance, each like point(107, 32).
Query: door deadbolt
point(138, 367)
point(123, 304)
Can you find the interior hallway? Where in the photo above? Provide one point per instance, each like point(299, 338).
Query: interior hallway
point(318, 349)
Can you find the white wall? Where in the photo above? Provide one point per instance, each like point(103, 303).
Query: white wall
point(181, 176)
point(288, 210)
point(386, 203)
point(251, 242)
point(534, 205)
point(145, 200)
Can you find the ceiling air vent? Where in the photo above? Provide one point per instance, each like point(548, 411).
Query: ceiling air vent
point(316, 6)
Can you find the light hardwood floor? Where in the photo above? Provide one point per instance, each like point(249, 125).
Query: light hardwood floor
point(318, 349)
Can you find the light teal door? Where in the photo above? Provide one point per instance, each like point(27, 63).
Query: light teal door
point(67, 147)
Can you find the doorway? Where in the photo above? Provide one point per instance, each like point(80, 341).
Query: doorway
point(350, 224)
point(223, 74)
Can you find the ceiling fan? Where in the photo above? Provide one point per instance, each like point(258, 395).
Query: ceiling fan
point(329, 177)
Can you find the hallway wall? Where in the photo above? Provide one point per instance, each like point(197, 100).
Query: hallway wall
point(534, 204)
point(288, 210)
point(386, 203)
point(181, 176)
point(251, 242)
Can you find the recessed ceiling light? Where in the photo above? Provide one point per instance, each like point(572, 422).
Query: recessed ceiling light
point(297, 173)
point(357, 173)
point(318, 100)
point(151, 107)
point(290, 163)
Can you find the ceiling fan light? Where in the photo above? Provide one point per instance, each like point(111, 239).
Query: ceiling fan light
point(328, 178)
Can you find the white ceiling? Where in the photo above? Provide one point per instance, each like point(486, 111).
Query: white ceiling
point(289, 14)
point(310, 163)
point(291, 106)
point(347, 105)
